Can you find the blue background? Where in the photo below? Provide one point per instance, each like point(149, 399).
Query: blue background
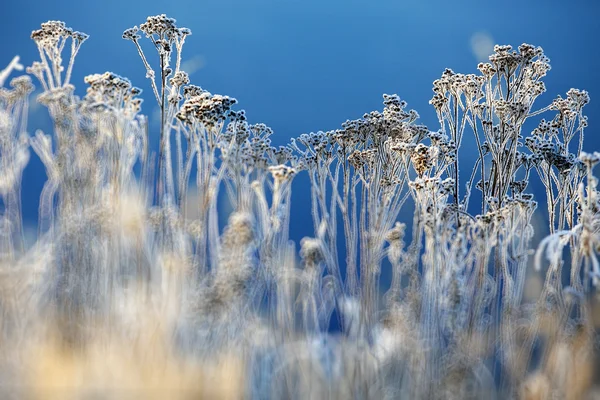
point(309, 65)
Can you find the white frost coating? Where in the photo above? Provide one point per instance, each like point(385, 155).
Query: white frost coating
point(13, 65)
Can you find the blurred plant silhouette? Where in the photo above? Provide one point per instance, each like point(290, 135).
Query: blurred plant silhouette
point(134, 287)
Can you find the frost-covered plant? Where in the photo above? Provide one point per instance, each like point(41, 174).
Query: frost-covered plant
point(137, 267)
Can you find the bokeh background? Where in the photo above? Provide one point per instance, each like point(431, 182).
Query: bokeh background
point(309, 65)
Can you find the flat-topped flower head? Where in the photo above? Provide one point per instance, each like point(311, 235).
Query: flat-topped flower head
point(206, 108)
point(159, 25)
point(282, 173)
point(51, 39)
point(50, 33)
point(111, 91)
point(590, 160)
point(131, 34)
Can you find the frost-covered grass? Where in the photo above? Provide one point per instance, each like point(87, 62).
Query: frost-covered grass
point(134, 289)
